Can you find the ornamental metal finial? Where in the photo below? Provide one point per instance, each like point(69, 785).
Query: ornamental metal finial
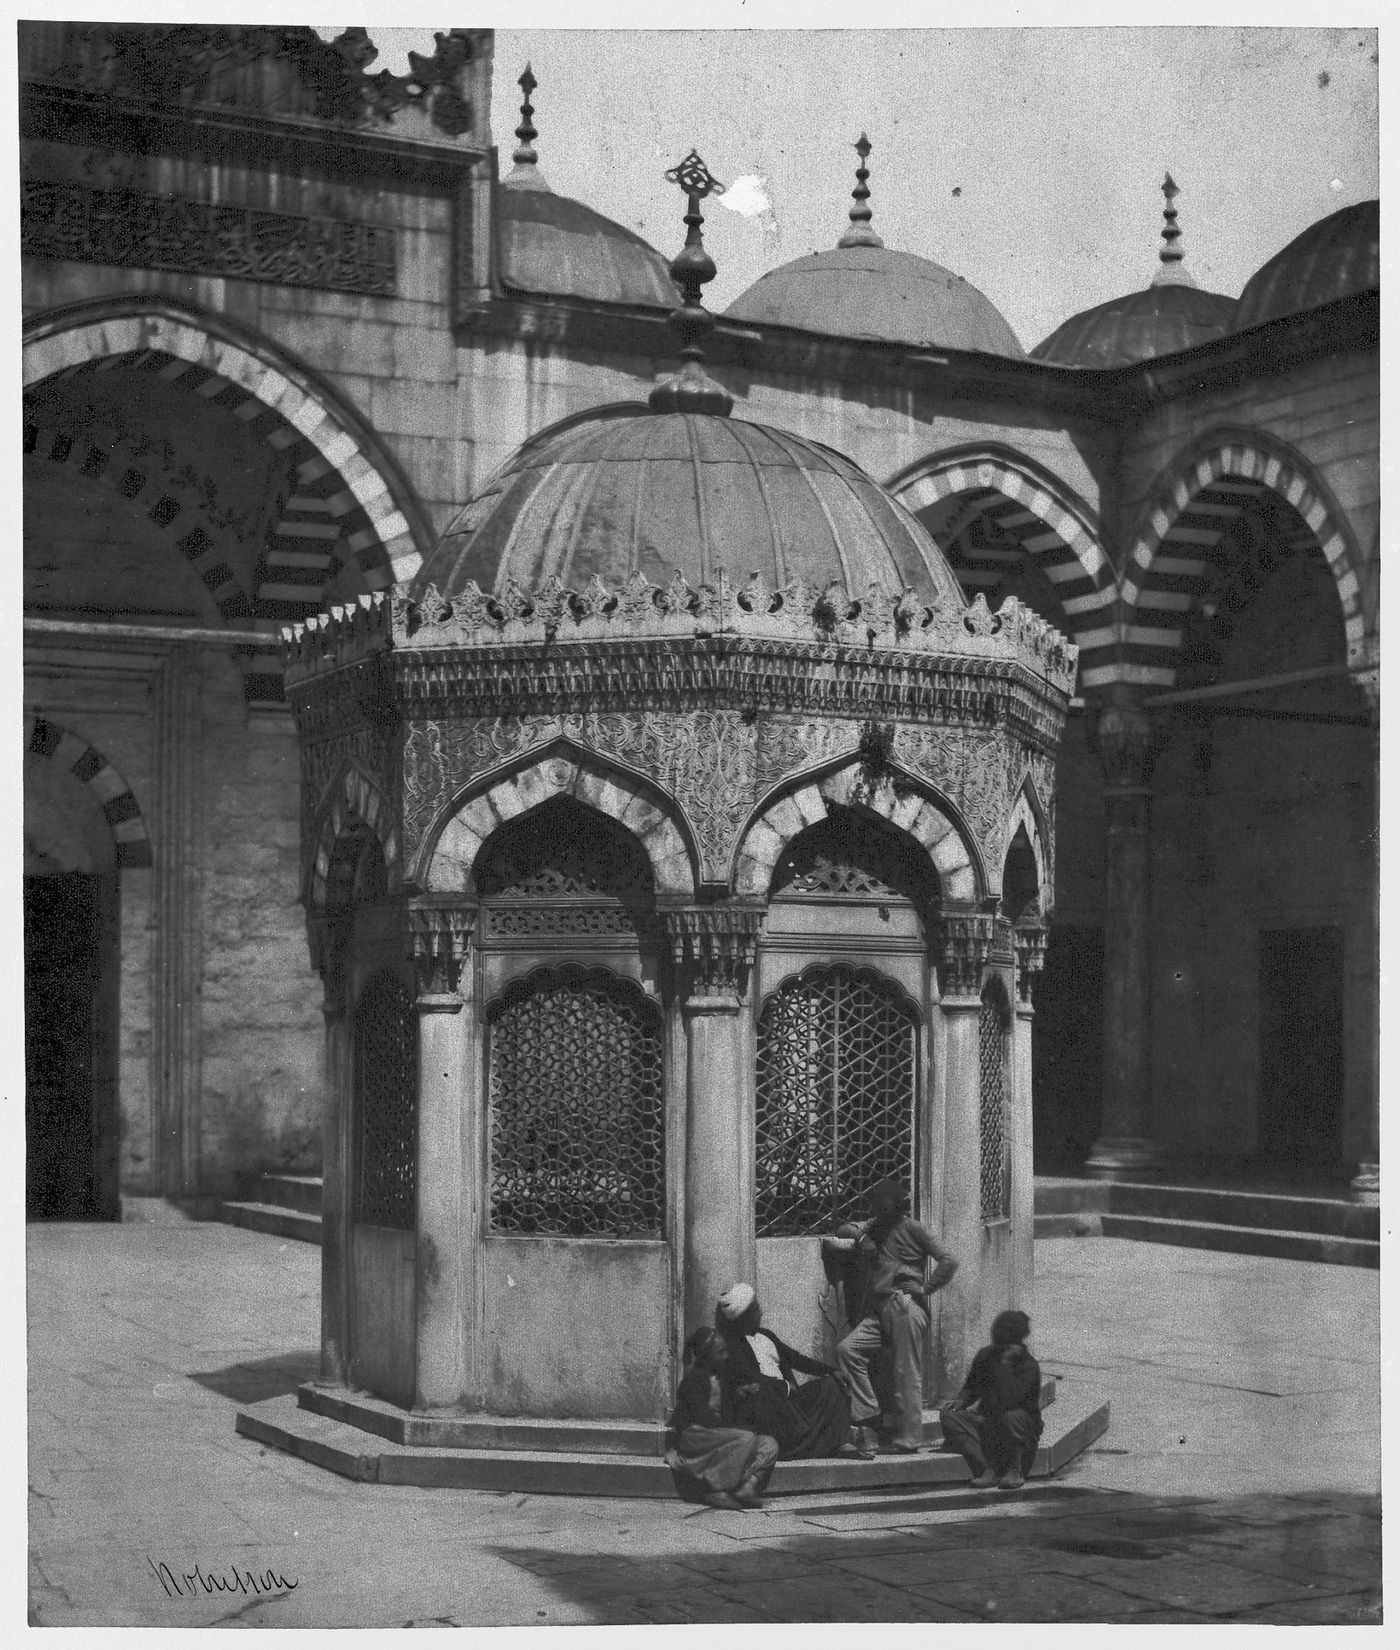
point(860, 233)
point(1171, 273)
point(525, 174)
point(692, 390)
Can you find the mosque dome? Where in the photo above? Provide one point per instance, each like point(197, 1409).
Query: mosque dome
point(554, 247)
point(862, 289)
point(1338, 257)
point(1171, 314)
point(659, 491)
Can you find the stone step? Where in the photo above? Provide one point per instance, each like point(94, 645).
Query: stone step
point(1244, 1240)
point(1276, 1211)
point(521, 1433)
point(275, 1219)
point(281, 1423)
point(289, 1191)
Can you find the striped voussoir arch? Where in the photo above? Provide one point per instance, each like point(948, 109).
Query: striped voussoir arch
point(108, 789)
point(1173, 557)
point(1024, 511)
point(340, 508)
point(354, 801)
point(170, 504)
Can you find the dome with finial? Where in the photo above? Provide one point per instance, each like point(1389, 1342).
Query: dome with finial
point(553, 247)
point(683, 486)
point(1170, 314)
point(1338, 257)
point(863, 289)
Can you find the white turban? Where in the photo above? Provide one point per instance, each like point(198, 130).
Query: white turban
point(733, 1303)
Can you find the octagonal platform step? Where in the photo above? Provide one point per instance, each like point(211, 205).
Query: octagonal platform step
point(354, 1452)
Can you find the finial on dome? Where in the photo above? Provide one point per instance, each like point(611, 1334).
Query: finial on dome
point(860, 233)
point(692, 390)
point(525, 174)
point(1171, 273)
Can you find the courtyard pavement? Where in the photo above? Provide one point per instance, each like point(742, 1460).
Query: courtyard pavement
point(1239, 1480)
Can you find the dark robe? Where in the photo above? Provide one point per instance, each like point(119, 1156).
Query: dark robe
point(808, 1421)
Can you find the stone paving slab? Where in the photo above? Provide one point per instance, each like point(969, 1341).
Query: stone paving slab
point(145, 1340)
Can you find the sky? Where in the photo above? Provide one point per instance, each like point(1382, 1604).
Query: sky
point(1028, 160)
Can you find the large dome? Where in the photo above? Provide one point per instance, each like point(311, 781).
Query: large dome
point(1160, 320)
point(873, 292)
point(656, 492)
point(1336, 258)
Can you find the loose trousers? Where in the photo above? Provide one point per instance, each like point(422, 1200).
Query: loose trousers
point(900, 1324)
point(991, 1441)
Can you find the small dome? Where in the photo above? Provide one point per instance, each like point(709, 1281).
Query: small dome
point(873, 292)
point(1139, 327)
point(1336, 258)
point(652, 492)
point(558, 248)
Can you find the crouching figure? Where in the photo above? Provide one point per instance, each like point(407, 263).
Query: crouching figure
point(994, 1422)
point(731, 1464)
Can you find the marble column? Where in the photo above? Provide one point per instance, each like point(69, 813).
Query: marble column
point(439, 937)
point(330, 945)
point(1125, 1147)
point(1029, 939)
point(965, 939)
point(713, 949)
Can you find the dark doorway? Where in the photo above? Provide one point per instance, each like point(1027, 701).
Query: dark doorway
point(69, 1000)
point(1067, 1049)
point(1300, 1055)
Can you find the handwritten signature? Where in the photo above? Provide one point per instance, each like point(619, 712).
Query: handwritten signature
point(188, 1583)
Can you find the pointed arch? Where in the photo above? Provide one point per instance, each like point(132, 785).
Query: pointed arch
point(353, 800)
point(453, 844)
point(1027, 815)
point(1034, 509)
point(935, 826)
point(1191, 512)
point(104, 783)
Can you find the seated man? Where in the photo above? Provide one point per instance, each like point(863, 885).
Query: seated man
point(807, 1420)
point(730, 1464)
point(994, 1422)
point(884, 1302)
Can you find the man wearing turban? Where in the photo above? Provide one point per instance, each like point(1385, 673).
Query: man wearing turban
point(808, 1419)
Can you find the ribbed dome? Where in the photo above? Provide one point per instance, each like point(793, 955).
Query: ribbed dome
point(559, 248)
point(1336, 258)
point(654, 492)
point(872, 292)
point(1139, 327)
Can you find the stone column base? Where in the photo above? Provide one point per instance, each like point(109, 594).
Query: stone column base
point(1123, 1157)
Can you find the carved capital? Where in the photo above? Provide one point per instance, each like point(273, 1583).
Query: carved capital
point(712, 947)
point(439, 936)
point(1030, 939)
point(965, 941)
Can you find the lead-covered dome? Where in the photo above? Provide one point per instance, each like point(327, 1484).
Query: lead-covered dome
point(1339, 257)
point(862, 289)
point(553, 247)
point(1169, 315)
point(652, 492)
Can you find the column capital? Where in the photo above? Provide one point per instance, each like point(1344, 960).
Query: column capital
point(1030, 940)
point(712, 947)
point(439, 931)
point(965, 941)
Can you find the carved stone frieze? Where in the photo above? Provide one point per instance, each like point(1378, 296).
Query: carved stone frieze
point(969, 766)
point(130, 230)
point(713, 947)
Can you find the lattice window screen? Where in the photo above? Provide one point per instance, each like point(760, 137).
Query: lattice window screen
point(996, 1186)
point(577, 1136)
point(837, 1057)
point(386, 1104)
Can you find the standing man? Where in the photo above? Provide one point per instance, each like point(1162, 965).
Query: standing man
point(885, 1297)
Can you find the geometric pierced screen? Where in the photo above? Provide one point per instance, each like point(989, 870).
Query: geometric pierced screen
point(386, 1098)
point(848, 856)
point(837, 1057)
point(577, 1137)
point(991, 1029)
